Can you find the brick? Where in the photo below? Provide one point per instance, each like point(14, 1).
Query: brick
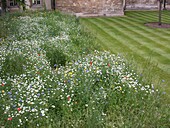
point(91, 7)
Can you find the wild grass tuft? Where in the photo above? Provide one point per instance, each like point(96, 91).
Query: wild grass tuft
point(55, 56)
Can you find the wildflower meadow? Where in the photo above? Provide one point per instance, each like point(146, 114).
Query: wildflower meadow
point(53, 74)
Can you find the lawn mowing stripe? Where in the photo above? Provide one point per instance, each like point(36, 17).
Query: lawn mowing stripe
point(113, 35)
point(145, 19)
point(164, 59)
point(164, 15)
point(146, 14)
point(160, 32)
point(148, 18)
point(141, 38)
point(164, 36)
point(163, 44)
point(143, 16)
point(142, 63)
point(107, 38)
point(104, 33)
point(140, 28)
point(160, 51)
point(143, 52)
point(164, 32)
point(133, 44)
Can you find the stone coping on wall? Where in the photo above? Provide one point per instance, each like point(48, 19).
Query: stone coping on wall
point(141, 7)
point(98, 14)
point(145, 7)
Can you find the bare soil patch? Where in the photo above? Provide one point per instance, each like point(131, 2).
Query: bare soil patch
point(156, 25)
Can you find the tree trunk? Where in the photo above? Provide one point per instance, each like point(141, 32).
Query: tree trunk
point(124, 5)
point(160, 12)
point(164, 5)
point(30, 3)
point(4, 5)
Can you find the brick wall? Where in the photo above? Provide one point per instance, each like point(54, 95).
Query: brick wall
point(91, 7)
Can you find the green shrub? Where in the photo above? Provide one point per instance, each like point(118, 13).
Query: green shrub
point(14, 64)
point(55, 56)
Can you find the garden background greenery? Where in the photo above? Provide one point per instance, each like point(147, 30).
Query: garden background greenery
point(54, 73)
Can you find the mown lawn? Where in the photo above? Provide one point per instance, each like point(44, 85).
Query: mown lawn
point(148, 47)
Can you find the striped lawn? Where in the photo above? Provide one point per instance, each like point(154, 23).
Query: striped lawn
point(149, 47)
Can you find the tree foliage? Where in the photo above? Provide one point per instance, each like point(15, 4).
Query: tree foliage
point(22, 5)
